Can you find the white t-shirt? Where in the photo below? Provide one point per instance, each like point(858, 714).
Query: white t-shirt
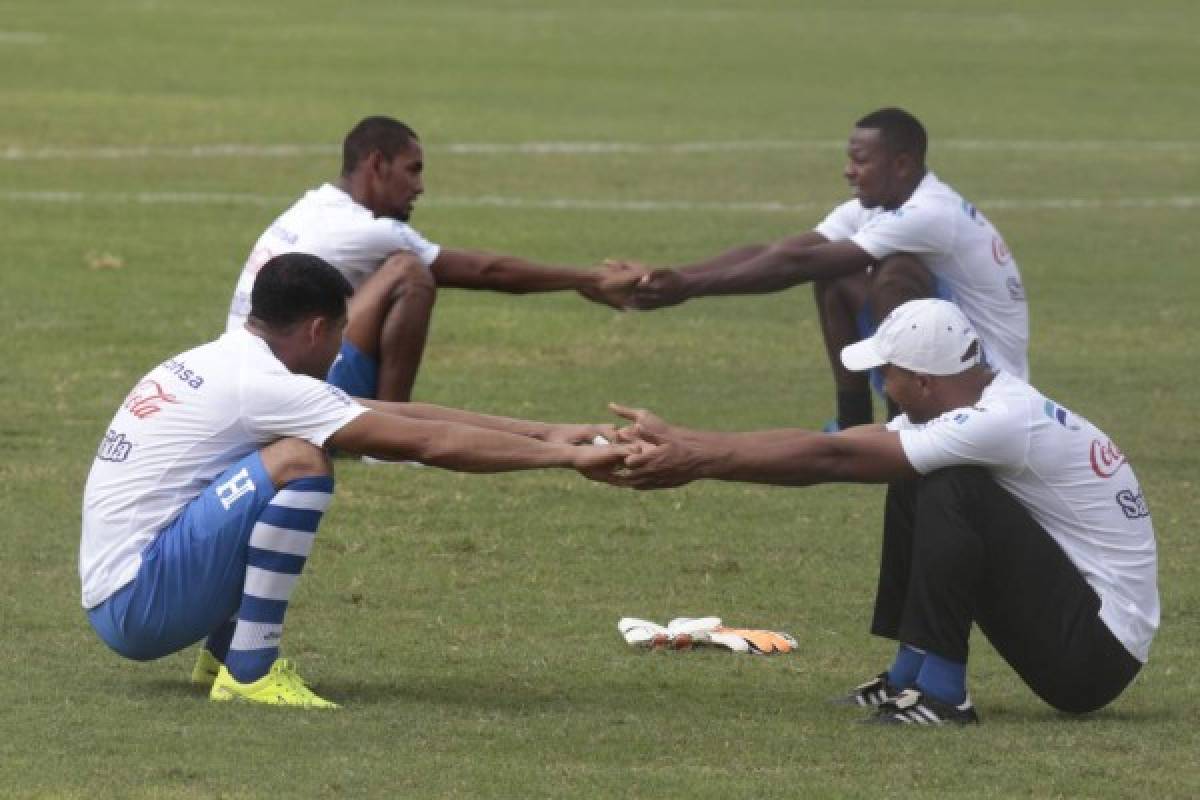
point(326, 222)
point(187, 421)
point(962, 249)
point(1073, 481)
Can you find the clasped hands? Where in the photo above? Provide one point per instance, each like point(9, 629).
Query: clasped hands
point(629, 284)
point(646, 454)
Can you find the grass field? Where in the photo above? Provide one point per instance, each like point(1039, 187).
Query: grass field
point(468, 623)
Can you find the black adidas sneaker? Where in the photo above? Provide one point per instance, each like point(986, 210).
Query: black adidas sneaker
point(871, 694)
point(912, 707)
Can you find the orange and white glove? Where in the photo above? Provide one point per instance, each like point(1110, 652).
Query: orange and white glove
point(684, 633)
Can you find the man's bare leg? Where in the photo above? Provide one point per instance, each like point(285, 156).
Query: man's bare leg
point(389, 321)
point(838, 301)
point(893, 282)
point(896, 280)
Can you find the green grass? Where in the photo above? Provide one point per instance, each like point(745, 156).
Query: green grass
point(468, 623)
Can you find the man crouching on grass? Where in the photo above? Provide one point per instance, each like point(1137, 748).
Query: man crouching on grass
point(1004, 509)
point(207, 490)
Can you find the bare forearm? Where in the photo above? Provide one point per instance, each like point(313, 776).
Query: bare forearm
point(783, 458)
point(792, 457)
point(466, 449)
point(480, 270)
point(729, 258)
point(447, 444)
point(428, 411)
point(775, 268)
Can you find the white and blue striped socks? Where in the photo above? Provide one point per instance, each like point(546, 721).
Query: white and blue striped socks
point(279, 546)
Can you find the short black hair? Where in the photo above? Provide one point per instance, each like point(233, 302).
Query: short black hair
point(384, 134)
point(899, 131)
point(296, 286)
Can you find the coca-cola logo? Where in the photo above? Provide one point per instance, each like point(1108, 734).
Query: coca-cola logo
point(1106, 458)
point(147, 399)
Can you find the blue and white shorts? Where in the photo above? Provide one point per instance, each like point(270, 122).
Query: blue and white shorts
point(191, 577)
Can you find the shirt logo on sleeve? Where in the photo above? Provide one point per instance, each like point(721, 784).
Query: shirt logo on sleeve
point(338, 394)
point(1133, 504)
point(1059, 415)
point(1106, 458)
point(114, 447)
point(147, 399)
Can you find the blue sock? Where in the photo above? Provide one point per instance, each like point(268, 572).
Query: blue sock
point(903, 672)
point(943, 680)
point(218, 641)
point(279, 546)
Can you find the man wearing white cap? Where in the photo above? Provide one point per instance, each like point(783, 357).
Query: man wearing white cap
point(1004, 509)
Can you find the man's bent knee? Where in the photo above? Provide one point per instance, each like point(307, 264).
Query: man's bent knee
point(288, 460)
point(897, 279)
point(407, 276)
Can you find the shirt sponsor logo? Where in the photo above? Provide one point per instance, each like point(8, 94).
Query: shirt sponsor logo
point(114, 447)
point(147, 399)
point(181, 371)
point(1106, 458)
point(1000, 251)
point(1133, 504)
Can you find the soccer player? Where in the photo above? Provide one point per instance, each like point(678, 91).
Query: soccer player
point(903, 236)
point(358, 223)
point(1004, 509)
point(207, 490)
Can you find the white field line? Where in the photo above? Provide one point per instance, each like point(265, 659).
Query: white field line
point(136, 152)
point(578, 204)
point(23, 37)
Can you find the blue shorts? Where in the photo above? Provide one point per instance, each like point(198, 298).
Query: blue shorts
point(355, 372)
point(191, 578)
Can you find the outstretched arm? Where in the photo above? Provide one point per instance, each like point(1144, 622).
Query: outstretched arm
point(474, 269)
point(465, 448)
point(668, 455)
point(561, 433)
point(755, 269)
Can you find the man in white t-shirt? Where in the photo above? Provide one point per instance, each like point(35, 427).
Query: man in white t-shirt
point(904, 235)
point(206, 492)
point(359, 224)
point(1004, 509)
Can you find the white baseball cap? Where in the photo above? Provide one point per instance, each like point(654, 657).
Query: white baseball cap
point(930, 337)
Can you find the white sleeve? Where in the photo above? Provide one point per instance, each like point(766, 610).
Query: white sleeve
point(278, 405)
point(916, 229)
point(842, 222)
point(972, 436)
point(386, 236)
